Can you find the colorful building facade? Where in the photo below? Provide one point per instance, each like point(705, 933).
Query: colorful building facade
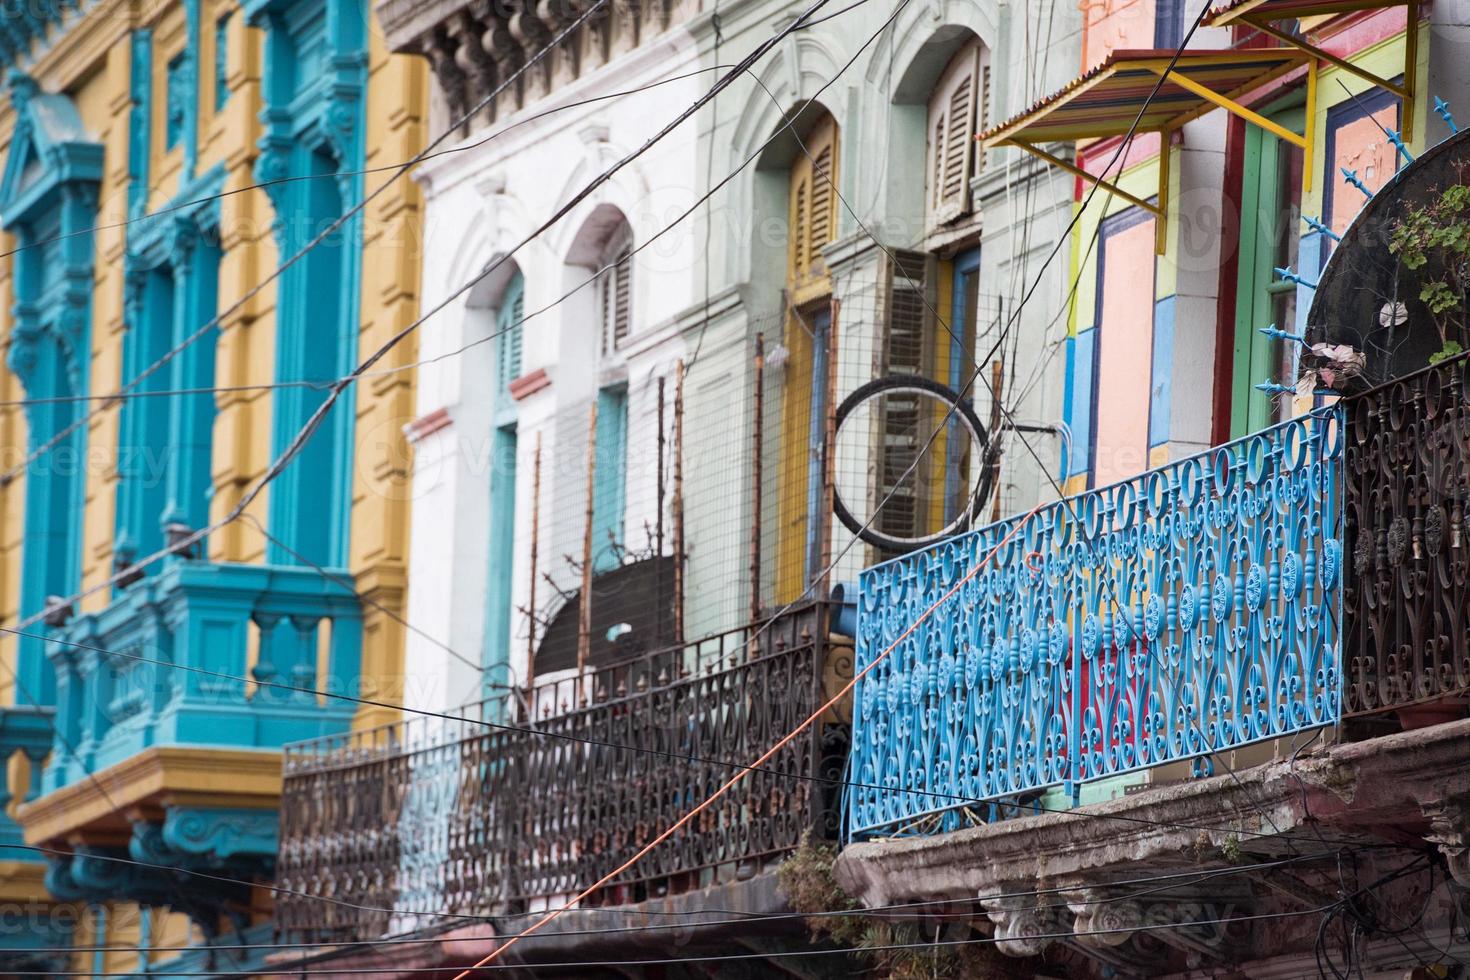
point(167, 168)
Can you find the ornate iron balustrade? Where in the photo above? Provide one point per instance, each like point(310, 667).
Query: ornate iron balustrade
point(434, 816)
point(1187, 611)
point(1407, 631)
point(114, 699)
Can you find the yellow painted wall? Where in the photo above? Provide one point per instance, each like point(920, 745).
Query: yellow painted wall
point(91, 62)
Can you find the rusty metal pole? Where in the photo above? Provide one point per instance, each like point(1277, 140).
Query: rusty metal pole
point(584, 625)
point(678, 503)
point(829, 443)
point(531, 596)
point(658, 526)
point(997, 375)
point(757, 477)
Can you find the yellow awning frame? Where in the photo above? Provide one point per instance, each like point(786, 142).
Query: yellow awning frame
point(1250, 13)
point(1010, 135)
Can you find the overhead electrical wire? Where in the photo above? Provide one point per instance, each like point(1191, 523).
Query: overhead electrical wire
point(294, 447)
point(979, 372)
point(950, 908)
point(331, 229)
point(715, 958)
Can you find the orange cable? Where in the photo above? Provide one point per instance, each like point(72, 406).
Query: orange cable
point(554, 913)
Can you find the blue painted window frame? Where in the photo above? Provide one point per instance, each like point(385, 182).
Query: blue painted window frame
point(1168, 23)
point(610, 478)
point(314, 86)
point(966, 329)
point(222, 60)
point(501, 546)
point(173, 290)
point(48, 201)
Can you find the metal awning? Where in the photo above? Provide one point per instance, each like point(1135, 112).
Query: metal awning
point(1267, 15)
point(1107, 100)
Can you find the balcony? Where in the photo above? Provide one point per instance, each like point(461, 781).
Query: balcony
point(1257, 651)
point(163, 754)
point(1187, 612)
point(211, 625)
point(462, 818)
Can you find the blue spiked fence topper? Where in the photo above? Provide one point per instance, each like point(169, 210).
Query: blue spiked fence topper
point(1188, 611)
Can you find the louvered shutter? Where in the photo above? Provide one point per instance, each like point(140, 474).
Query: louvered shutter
point(615, 297)
point(622, 296)
point(904, 422)
point(953, 113)
point(508, 326)
point(813, 210)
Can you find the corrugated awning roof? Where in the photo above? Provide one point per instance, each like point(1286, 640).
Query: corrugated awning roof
point(1270, 17)
point(1106, 100)
point(1109, 99)
point(1234, 10)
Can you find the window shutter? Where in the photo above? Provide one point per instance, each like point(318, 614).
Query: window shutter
point(813, 205)
point(622, 296)
point(508, 326)
point(904, 422)
point(615, 298)
point(953, 113)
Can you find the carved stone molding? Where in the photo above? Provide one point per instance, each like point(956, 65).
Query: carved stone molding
point(473, 46)
point(1449, 830)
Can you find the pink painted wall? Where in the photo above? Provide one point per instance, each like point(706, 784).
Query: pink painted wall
point(1115, 25)
point(1125, 354)
point(1361, 146)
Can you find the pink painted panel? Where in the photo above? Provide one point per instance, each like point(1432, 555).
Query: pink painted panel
point(1125, 354)
point(1116, 25)
point(1362, 146)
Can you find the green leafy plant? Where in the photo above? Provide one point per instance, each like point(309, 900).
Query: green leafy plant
point(1434, 241)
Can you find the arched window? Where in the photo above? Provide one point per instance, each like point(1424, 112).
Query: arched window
point(812, 211)
point(48, 201)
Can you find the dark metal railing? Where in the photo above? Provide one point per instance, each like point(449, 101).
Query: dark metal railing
point(1407, 602)
point(438, 818)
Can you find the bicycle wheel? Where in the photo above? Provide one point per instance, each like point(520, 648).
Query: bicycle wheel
point(912, 463)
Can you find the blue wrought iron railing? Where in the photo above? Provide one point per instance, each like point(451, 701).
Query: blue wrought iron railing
point(1188, 611)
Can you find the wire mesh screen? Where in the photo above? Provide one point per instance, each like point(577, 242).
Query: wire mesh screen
point(780, 455)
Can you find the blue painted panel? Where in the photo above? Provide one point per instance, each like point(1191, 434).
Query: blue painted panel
point(1161, 391)
point(502, 559)
point(49, 190)
point(221, 60)
point(1082, 375)
point(610, 482)
point(316, 334)
point(1186, 611)
point(176, 99)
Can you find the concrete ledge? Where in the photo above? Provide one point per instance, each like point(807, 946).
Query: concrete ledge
point(1378, 789)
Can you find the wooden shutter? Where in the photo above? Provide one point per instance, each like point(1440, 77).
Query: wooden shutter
point(954, 110)
point(616, 296)
point(508, 325)
point(813, 211)
point(905, 422)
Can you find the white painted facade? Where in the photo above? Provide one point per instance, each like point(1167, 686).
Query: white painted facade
point(501, 182)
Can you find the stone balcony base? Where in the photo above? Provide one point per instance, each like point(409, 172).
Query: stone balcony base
point(1383, 803)
point(709, 921)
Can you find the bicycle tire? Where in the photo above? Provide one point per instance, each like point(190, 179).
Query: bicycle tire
point(964, 412)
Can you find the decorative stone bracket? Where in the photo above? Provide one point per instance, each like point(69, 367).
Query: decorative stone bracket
point(161, 865)
point(1119, 928)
